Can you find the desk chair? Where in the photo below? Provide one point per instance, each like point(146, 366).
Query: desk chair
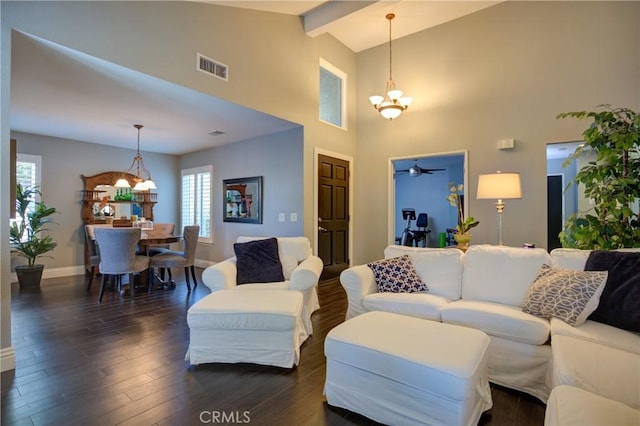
point(422, 233)
point(118, 255)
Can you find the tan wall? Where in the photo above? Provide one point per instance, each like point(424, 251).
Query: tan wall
point(504, 72)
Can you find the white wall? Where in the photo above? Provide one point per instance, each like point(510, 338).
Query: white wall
point(503, 72)
point(278, 159)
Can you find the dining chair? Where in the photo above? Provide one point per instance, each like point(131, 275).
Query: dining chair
point(163, 230)
point(176, 259)
point(118, 255)
point(92, 253)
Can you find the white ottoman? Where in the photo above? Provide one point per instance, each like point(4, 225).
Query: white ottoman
point(256, 326)
point(402, 370)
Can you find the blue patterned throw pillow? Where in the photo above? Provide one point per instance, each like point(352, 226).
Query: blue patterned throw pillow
point(397, 275)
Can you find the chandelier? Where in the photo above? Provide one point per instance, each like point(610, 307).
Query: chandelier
point(142, 175)
point(393, 103)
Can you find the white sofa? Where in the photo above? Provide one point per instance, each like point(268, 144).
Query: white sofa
point(301, 270)
point(484, 288)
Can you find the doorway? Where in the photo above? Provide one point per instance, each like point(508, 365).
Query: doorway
point(555, 210)
point(562, 200)
point(425, 193)
point(333, 213)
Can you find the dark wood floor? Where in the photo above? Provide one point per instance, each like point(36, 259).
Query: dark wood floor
point(122, 362)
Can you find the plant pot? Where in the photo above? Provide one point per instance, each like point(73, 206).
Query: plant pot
point(462, 240)
point(29, 276)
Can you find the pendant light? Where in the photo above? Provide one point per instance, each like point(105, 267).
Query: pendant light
point(392, 104)
point(142, 175)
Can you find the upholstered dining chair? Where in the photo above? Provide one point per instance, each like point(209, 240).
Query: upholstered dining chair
point(92, 253)
point(163, 230)
point(118, 255)
point(180, 259)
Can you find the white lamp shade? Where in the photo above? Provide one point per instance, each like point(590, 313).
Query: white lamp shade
point(150, 184)
point(499, 186)
point(140, 186)
point(375, 100)
point(122, 183)
point(406, 101)
point(391, 111)
point(395, 94)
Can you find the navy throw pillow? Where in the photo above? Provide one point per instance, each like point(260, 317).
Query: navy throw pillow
point(258, 262)
point(620, 300)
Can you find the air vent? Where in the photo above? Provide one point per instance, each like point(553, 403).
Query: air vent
point(212, 67)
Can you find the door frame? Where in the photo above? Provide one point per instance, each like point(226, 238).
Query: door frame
point(316, 154)
point(391, 206)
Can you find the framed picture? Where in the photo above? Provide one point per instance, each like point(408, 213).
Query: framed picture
point(242, 200)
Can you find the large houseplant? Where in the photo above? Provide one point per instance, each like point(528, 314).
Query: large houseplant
point(611, 182)
point(25, 235)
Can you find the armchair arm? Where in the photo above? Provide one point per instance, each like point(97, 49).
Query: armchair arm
point(357, 281)
point(221, 275)
point(306, 274)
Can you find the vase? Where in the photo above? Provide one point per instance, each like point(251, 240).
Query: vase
point(462, 240)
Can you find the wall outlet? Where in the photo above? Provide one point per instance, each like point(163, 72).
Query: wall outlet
point(293, 217)
point(282, 217)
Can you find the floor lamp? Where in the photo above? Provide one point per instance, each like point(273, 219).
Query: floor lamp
point(499, 186)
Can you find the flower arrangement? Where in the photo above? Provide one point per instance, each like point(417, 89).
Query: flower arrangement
point(454, 199)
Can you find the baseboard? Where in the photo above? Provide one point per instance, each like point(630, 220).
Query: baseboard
point(7, 359)
point(69, 271)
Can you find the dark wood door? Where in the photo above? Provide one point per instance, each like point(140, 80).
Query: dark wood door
point(554, 211)
point(333, 213)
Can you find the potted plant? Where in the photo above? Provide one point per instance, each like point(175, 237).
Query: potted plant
point(25, 235)
point(611, 182)
point(462, 235)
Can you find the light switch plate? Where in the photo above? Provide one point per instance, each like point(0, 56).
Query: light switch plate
point(282, 217)
point(293, 217)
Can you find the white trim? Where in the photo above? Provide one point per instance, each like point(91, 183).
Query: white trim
point(391, 211)
point(7, 359)
point(323, 63)
point(316, 153)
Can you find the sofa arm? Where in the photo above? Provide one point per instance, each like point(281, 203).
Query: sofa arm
point(306, 274)
point(357, 281)
point(220, 276)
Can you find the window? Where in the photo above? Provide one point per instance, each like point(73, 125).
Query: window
point(28, 169)
point(196, 200)
point(333, 84)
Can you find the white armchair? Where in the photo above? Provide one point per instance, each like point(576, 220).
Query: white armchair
point(301, 270)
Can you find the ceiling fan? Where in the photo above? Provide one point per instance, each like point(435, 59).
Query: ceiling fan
point(416, 170)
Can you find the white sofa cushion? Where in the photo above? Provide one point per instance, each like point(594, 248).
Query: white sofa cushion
point(291, 250)
point(609, 372)
point(571, 406)
point(500, 274)
point(566, 258)
point(420, 305)
point(598, 332)
point(439, 269)
point(499, 320)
